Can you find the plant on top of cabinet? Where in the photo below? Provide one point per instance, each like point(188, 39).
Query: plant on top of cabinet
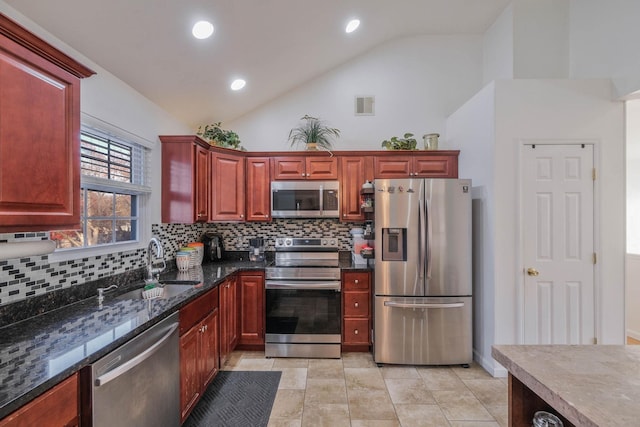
point(408, 142)
point(313, 133)
point(220, 137)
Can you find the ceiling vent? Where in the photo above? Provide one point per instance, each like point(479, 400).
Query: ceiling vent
point(364, 105)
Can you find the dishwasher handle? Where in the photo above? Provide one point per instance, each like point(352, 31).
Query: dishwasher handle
point(136, 360)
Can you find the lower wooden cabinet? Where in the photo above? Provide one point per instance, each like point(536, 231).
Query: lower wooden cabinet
point(251, 310)
point(199, 349)
point(356, 311)
point(228, 318)
point(57, 407)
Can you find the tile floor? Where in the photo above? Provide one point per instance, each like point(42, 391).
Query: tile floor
point(354, 392)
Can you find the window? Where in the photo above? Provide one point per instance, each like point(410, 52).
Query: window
point(113, 181)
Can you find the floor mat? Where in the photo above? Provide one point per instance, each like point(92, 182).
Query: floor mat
point(236, 398)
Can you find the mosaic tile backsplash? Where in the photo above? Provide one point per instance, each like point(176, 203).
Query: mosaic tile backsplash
point(30, 276)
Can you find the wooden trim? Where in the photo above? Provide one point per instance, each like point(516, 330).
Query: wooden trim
point(35, 44)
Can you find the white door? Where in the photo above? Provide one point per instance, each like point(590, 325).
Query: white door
point(558, 244)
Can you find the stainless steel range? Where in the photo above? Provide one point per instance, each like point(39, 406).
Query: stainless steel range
point(303, 299)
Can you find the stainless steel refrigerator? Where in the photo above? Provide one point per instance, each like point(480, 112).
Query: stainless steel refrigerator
point(422, 310)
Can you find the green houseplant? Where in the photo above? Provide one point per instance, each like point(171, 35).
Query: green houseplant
point(313, 133)
point(408, 142)
point(220, 137)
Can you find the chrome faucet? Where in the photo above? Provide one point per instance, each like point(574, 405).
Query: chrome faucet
point(154, 272)
point(101, 292)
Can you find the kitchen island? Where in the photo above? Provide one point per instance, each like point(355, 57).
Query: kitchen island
point(587, 385)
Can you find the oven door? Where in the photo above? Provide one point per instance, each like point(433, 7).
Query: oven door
point(307, 312)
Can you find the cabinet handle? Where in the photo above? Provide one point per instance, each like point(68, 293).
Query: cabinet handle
point(356, 305)
point(200, 215)
point(356, 281)
point(355, 332)
point(303, 174)
point(241, 216)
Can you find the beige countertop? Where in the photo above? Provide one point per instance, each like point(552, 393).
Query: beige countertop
point(590, 385)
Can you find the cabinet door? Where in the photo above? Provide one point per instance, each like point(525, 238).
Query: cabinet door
point(251, 309)
point(392, 167)
point(39, 143)
point(209, 353)
point(228, 187)
point(258, 189)
point(352, 172)
point(321, 168)
point(228, 319)
point(189, 370)
point(288, 168)
point(56, 407)
point(356, 331)
point(435, 166)
point(201, 184)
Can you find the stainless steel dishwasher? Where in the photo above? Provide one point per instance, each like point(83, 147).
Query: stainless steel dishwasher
point(138, 384)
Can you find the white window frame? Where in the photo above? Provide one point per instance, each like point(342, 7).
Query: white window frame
point(91, 124)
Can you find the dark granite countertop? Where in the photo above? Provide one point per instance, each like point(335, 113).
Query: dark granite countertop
point(39, 352)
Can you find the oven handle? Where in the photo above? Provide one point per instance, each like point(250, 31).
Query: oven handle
point(302, 285)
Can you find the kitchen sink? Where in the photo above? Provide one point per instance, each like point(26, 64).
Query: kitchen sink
point(171, 289)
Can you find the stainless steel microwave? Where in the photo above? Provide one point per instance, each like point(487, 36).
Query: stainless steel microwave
point(305, 199)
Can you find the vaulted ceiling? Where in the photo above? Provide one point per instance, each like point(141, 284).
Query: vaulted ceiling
point(275, 45)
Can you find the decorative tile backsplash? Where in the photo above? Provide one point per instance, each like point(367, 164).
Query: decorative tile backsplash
point(22, 278)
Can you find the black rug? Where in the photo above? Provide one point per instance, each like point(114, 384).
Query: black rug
point(236, 398)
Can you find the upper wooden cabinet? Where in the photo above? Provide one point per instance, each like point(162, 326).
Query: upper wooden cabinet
point(258, 189)
point(227, 189)
point(39, 133)
point(185, 179)
point(354, 171)
point(311, 167)
point(436, 164)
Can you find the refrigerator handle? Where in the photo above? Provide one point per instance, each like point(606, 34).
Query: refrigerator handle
point(423, 305)
point(429, 238)
point(422, 244)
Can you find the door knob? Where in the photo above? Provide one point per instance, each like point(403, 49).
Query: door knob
point(532, 271)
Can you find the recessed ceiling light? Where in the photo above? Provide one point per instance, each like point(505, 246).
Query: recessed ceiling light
point(202, 29)
point(238, 84)
point(352, 25)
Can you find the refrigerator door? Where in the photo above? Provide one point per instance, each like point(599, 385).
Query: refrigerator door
point(397, 223)
point(448, 237)
point(423, 331)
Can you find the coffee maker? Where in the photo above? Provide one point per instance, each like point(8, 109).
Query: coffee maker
point(256, 249)
point(213, 246)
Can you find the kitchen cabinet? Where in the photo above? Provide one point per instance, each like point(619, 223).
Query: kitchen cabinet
point(251, 311)
point(228, 318)
point(356, 310)
point(199, 349)
point(309, 167)
point(258, 189)
point(40, 133)
point(437, 164)
point(354, 171)
point(185, 179)
point(58, 406)
point(227, 190)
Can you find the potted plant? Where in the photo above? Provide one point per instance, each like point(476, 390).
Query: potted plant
point(220, 137)
point(313, 133)
point(408, 142)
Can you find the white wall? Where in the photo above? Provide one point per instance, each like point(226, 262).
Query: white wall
point(541, 39)
point(497, 48)
point(561, 110)
point(417, 82)
point(632, 268)
point(490, 130)
point(108, 99)
point(603, 40)
point(471, 129)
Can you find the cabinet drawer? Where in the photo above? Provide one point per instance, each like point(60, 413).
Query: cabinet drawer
point(356, 331)
point(356, 304)
point(193, 312)
point(353, 281)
